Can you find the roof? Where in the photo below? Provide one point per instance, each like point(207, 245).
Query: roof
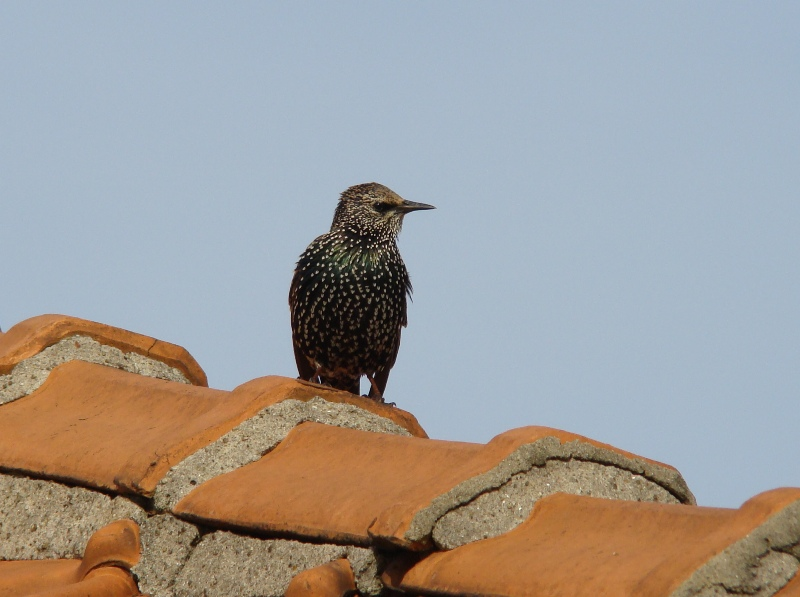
point(122, 472)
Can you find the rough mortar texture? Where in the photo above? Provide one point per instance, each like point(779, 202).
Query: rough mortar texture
point(45, 519)
point(167, 544)
point(256, 436)
point(48, 520)
point(500, 510)
point(226, 565)
point(758, 565)
point(31, 373)
point(523, 459)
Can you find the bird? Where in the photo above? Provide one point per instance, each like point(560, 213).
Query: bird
point(348, 293)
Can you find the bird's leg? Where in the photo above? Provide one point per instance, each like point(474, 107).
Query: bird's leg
point(374, 393)
point(316, 377)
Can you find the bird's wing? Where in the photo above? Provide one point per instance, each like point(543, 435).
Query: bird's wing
point(304, 368)
point(382, 375)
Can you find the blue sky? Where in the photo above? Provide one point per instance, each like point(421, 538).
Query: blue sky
point(615, 249)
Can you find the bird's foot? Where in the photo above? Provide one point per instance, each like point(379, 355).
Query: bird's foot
point(379, 399)
point(315, 380)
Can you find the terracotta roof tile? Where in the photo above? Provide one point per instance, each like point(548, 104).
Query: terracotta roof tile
point(117, 544)
point(102, 582)
point(334, 579)
point(256, 436)
point(101, 427)
point(53, 578)
point(575, 545)
point(32, 336)
point(32, 576)
point(104, 570)
point(305, 486)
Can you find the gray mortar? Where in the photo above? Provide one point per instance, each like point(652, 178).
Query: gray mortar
point(48, 520)
point(496, 512)
point(31, 373)
point(224, 564)
point(524, 459)
point(256, 436)
point(45, 519)
point(166, 546)
point(759, 565)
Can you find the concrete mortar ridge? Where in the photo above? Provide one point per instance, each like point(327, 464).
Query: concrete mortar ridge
point(167, 545)
point(255, 437)
point(45, 519)
point(28, 375)
point(497, 511)
point(758, 565)
point(226, 563)
point(537, 454)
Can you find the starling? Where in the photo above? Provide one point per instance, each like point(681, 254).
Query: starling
point(348, 293)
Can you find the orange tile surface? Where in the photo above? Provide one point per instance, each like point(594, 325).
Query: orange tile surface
point(33, 335)
point(33, 576)
point(334, 579)
point(344, 485)
point(583, 546)
point(104, 570)
point(117, 544)
point(102, 582)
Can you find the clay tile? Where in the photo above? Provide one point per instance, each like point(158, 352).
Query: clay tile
point(31, 336)
point(273, 389)
point(576, 545)
point(116, 544)
point(101, 427)
point(104, 582)
point(34, 576)
point(305, 486)
point(334, 579)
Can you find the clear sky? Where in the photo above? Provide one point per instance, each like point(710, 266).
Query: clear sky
point(615, 249)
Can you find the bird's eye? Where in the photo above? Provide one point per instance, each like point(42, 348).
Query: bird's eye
point(382, 207)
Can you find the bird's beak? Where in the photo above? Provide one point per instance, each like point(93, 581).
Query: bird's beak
point(408, 206)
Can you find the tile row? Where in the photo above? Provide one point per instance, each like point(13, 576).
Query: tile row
point(281, 486)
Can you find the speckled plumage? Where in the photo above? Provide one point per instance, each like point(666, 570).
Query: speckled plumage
point(348, 293)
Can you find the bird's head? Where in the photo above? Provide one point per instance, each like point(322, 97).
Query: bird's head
point(373, 210)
